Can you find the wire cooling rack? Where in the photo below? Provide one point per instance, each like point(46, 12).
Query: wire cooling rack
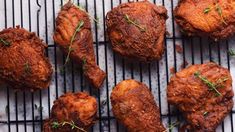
point(25, 112)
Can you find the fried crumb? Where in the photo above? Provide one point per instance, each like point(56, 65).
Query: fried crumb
point(178, 48)
point(172, 70)
point(168, 34)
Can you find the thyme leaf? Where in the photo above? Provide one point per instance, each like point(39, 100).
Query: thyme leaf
point(84, 61)
point(218, 9)
point(128, 19)
point(82, 8)
point(171, 126)
point(5, 43)
point(56, 125)
point(205, 113)
point(231, 52)
point(78, 28)
point(27, 68)
point(207, 10)
point(211, 85)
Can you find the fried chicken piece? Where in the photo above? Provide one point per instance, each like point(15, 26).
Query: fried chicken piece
point(23, 64)
point(136, 30)
point(213, 18)
point(203, 93)
point(133, 104)
point(80, 49)
point(75, 108)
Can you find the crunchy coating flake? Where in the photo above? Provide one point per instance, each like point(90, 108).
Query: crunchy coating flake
point(133, 105)
point(136, 30)
point(201, 107)
point(23, 64)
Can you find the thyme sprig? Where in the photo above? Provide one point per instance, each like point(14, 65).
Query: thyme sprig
point(5, 43)
point(78, 28)
point(27, 68)
point(211, 85)
point(94, 19)
point(231, 52)
point(56, 125)
point(218, 9)
point(128, 19)
point(171, 126)
point(84, 61)
point(205, 113)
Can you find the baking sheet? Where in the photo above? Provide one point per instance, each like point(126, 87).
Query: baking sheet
point(39, 15)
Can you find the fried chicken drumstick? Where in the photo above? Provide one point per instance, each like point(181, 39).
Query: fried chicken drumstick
point(203, 93)
point(213, 18)
point(23, 64)
point(73, 35)
point(72, 112)
point(133, 104)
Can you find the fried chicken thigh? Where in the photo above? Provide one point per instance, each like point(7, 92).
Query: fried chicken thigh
point(72, 108)
point(136, 30)
point(134, 105)
point(23, 64)
point(213, 18)
point(203, 93)
point(73, 35)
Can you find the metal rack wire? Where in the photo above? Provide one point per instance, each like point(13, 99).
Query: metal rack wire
point(25, 112)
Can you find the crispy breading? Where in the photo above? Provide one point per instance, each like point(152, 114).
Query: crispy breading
point(211, 18)
point(79, 108)
point(136, 30)
point(23, 64)
point(133, 105)
point(203, 108)
point(81, 47)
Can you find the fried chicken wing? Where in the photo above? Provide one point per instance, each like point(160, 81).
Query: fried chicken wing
point(73, 35)
point(134, 105)
point(203, 93)
point(78, 109)
point(136, 30)
point(213, 18)
point(23, 64)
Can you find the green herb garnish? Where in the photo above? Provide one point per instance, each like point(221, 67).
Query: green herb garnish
point(84, 61)
point(171, 126)
point(231, 52)
point(211, 85)
point(56, 125)
point(82, 8)
point(127, 18)
point(5, 43)
point(207, 10)
point(205, 113)
point(27, 68)
point(78, 28)
point(218, 9)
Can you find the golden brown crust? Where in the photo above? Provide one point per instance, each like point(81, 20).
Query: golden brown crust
point(66, 23)
point(129, 40)
point(23, 64)
point(202, 109)
point(77, 107)
point(194, 21)
point(134, 105)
